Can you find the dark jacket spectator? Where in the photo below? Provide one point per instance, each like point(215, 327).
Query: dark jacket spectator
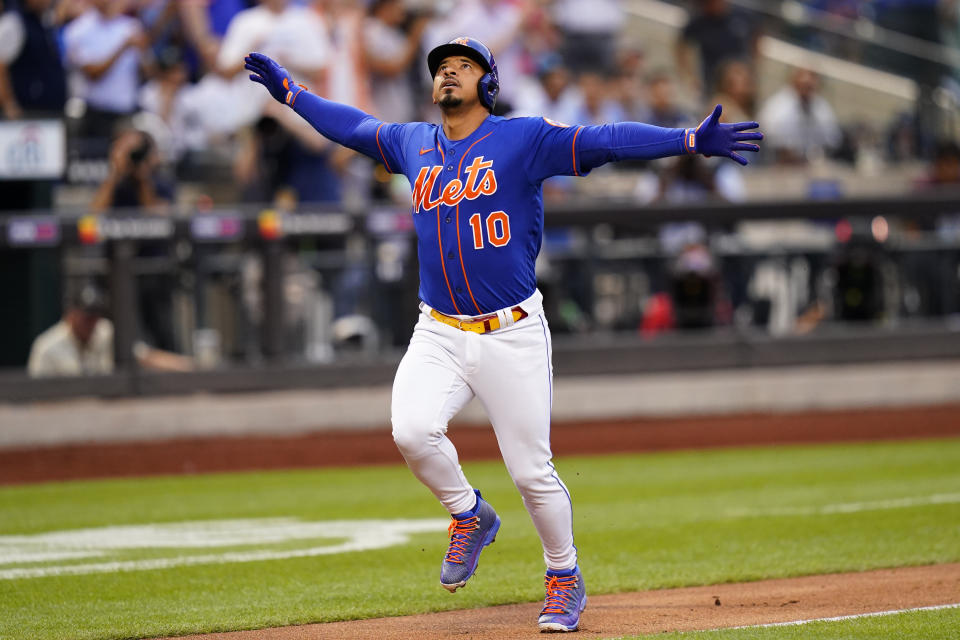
point(32, 79)
point(134, 179)
point(719, 32)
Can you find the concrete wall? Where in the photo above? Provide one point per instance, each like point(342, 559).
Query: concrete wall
point(575, 398)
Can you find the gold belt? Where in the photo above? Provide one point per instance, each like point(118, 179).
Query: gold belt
point(481, 324)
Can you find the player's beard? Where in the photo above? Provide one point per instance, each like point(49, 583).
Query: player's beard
point(449, 101)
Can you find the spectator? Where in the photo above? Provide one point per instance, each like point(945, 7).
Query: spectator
point(347, 79)
point(105, 46)
point(296, 36)
point(695, 288)
point(597, 107)
point(689, 179)
point(662, 107)
point(719, 33)
point(32, 84)
point(32, 79)
point(280, 158)
point(167, 96)
point(629, 81)
point(552, 95)
point(799, 122)
point(82, 343)
point(590, 36)
point(736, 91)
point(390, 54)
point(134, 179)
point(204, 24)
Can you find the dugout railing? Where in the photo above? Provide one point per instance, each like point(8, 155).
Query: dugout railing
point(587, 244)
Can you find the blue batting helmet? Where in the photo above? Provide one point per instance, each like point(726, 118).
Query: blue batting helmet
point(489, 85)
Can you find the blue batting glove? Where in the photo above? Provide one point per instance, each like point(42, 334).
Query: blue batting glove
point(712, 138)
point(274, 77)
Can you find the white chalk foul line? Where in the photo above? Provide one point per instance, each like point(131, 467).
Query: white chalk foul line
point(874, 614)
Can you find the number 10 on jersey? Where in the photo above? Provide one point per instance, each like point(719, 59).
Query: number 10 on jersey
point(497, 228)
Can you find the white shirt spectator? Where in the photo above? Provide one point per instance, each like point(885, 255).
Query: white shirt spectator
point(533, 100)
point(56, 352)
point(801, 129)
point(347, 80)
point(91, 39)
point(392, 96)
point(602, 16)
point(295, 38)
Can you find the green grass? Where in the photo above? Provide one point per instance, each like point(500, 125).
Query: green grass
point(641, 522)
point(928, 625)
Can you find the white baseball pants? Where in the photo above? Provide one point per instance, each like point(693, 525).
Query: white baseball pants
point(510, 371)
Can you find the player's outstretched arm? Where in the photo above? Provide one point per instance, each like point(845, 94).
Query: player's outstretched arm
point(713, 138)
point(341, 123)
point(597, 145)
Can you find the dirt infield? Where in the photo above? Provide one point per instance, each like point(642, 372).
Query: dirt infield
point(713, 607)
point(203, 455)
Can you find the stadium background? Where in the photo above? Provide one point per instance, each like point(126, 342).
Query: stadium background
point(261, 285)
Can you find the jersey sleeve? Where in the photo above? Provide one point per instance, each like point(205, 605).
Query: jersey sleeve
point(552, 149)
point(352, 128)
point(391, 140)
point(561, 150)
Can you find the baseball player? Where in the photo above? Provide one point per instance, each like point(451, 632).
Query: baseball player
point(478, 214)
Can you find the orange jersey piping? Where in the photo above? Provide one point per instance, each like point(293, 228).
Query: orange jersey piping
point(574, 145)
point(385, 163)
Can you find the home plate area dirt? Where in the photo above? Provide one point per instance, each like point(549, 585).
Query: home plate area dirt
point(688, 609)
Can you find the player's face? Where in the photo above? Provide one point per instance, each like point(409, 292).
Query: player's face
point(456, 82)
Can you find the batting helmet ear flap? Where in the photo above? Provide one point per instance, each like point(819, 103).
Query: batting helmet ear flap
point(488, 88)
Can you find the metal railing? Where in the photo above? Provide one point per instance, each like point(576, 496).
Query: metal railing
point(600, 257)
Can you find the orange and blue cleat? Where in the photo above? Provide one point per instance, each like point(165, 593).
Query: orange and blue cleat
point(566, 599)
point(470, 532)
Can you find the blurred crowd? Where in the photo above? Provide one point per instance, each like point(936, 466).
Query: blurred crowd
point(157, 89)
point(154, 96)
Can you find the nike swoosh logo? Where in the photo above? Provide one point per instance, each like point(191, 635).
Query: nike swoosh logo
point(425, 151)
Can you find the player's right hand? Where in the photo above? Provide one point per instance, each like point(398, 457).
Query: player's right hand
point(275, 78)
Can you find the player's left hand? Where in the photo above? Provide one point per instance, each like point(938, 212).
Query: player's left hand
point(712, 138)
point(274, 77)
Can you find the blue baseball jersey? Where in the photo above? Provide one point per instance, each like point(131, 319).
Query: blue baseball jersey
point(477, 202)
point(478, 206)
